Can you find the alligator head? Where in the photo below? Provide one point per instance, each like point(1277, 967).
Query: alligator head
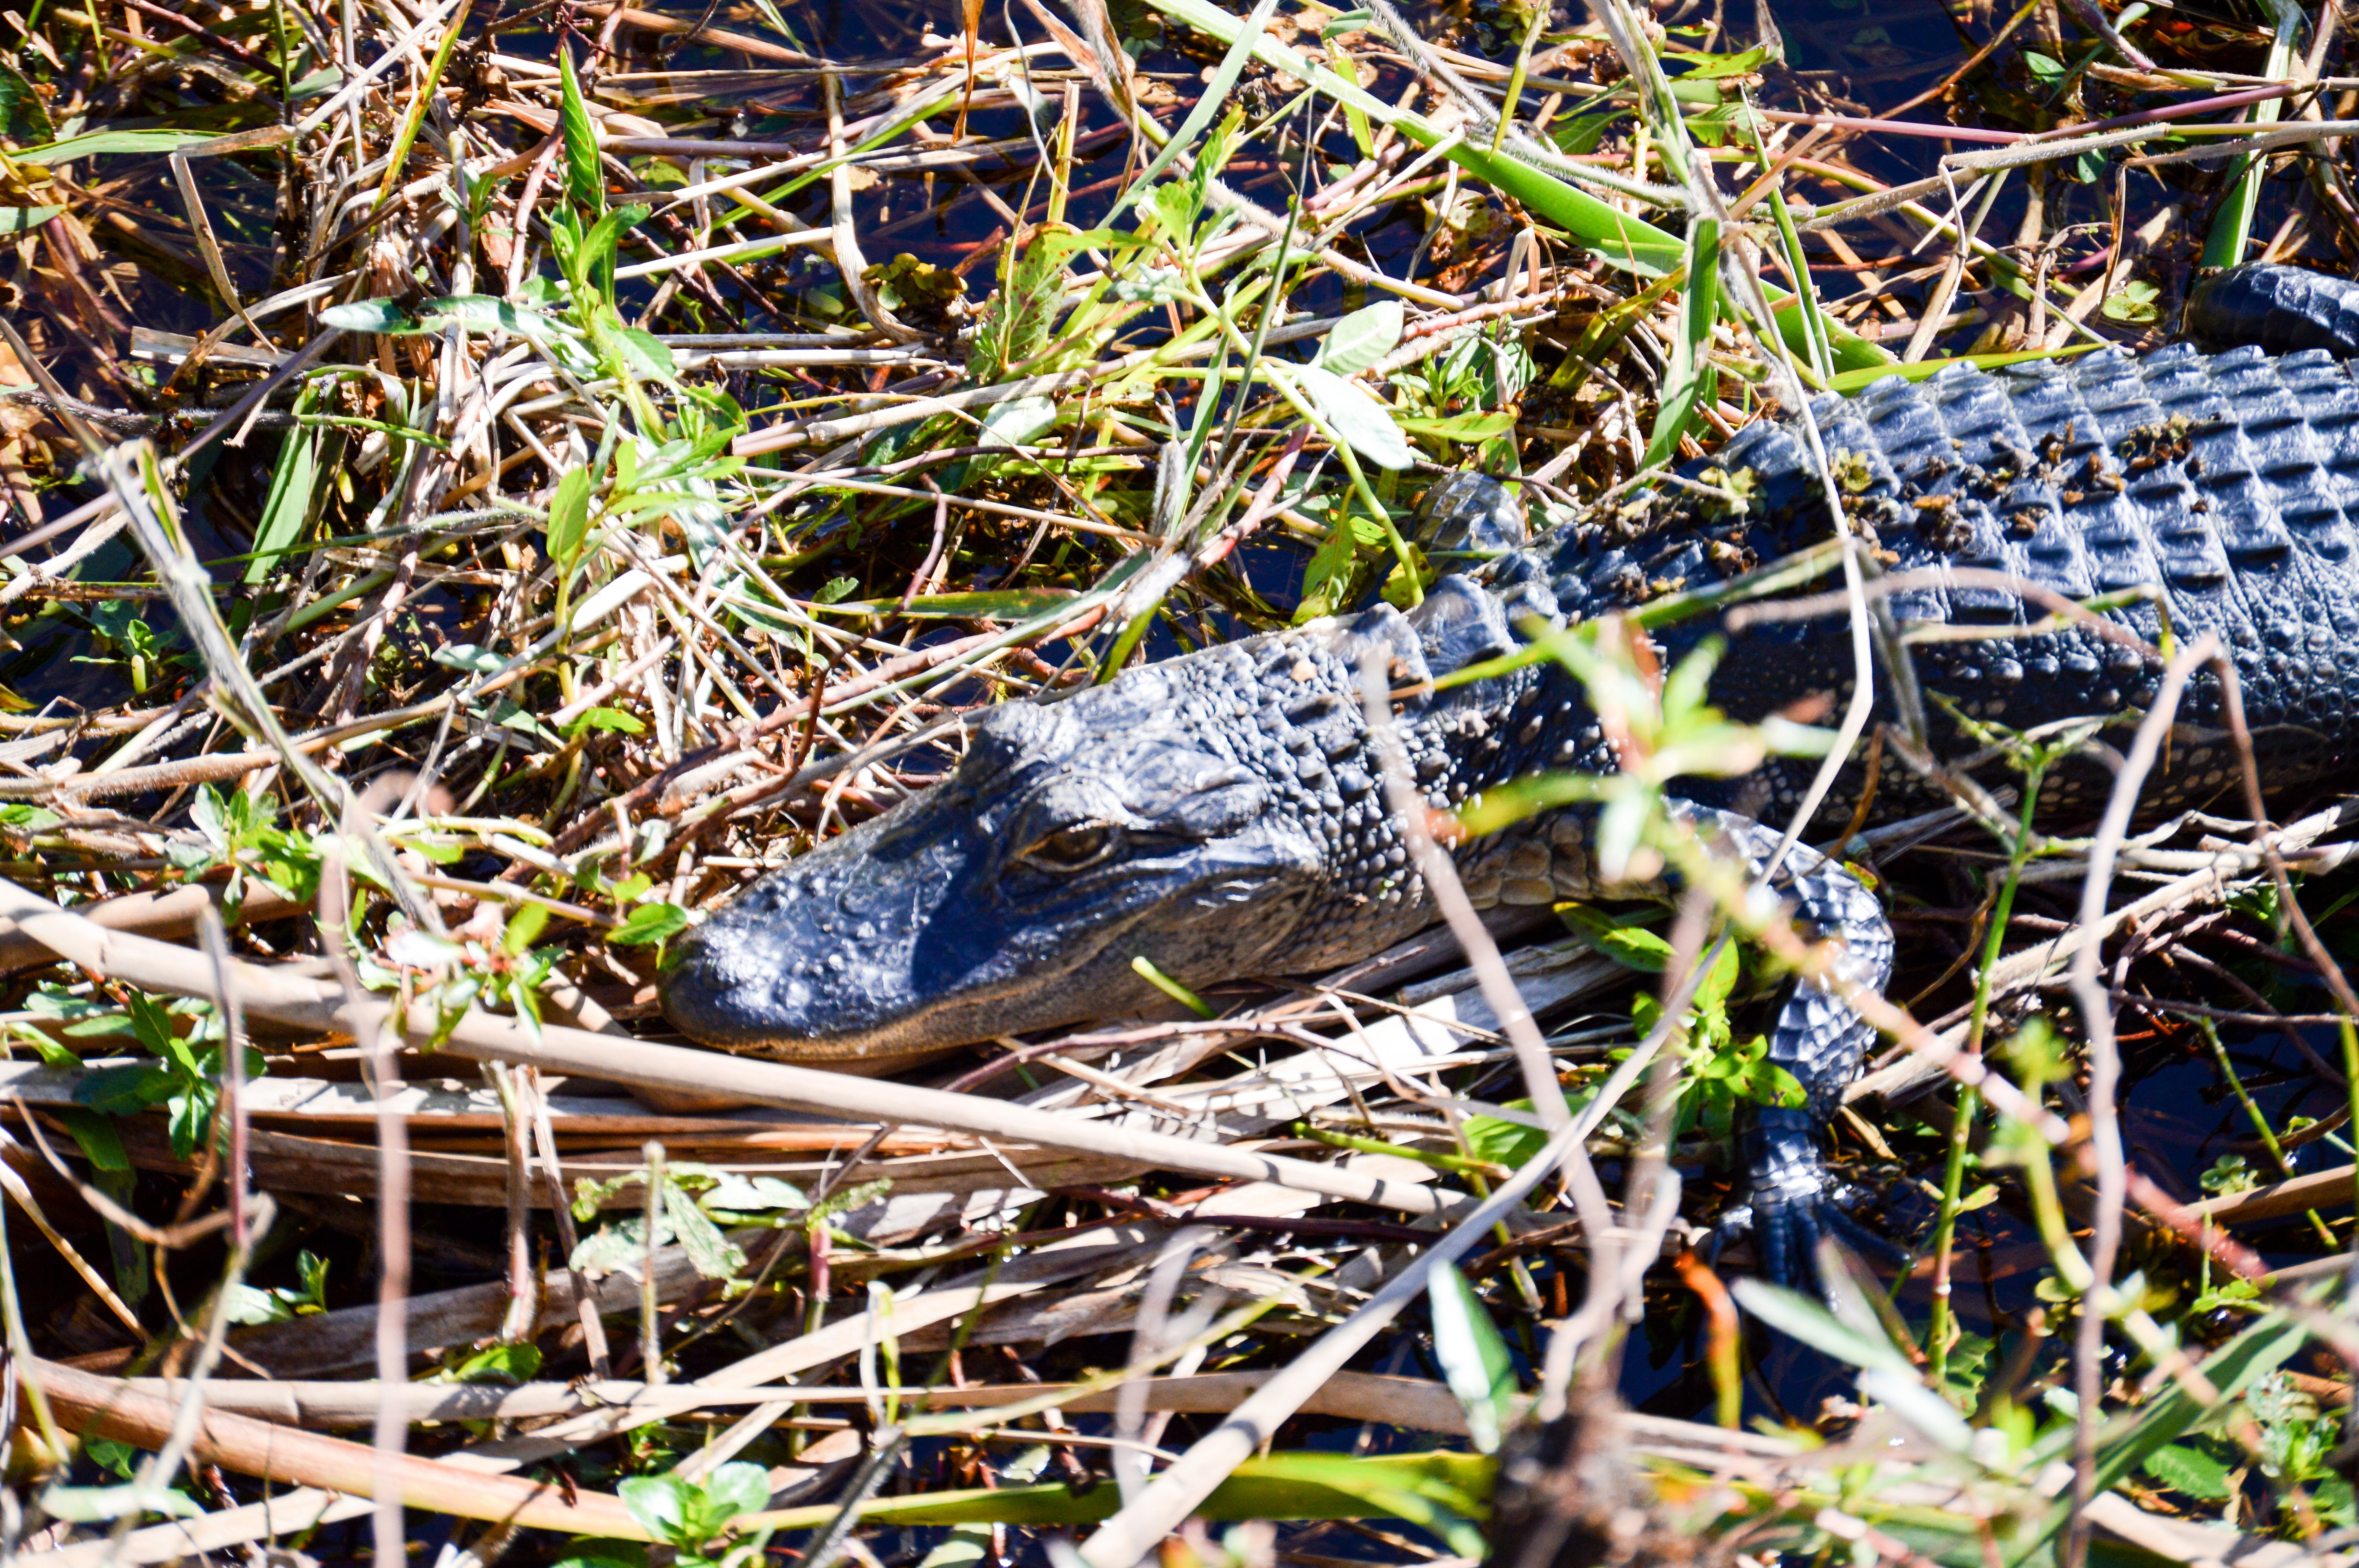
point(1135, 819)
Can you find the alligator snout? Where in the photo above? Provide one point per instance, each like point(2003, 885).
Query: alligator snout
point(831, 956)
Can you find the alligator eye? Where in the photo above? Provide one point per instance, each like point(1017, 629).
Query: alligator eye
point(1072, 848)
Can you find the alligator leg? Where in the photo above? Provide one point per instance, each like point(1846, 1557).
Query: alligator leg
point(1818, 1037)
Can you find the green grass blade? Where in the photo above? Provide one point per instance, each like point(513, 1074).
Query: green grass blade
point(2232, 226)
point(1850, 381)
point(582, 178)
point(288, 506)
point(1281, 1486)
point(415, 119)
point(1692, 381)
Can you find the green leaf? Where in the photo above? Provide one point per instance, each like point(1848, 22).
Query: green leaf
point(484, 313)
point(1357, 342)
point(569, 518)
point(610, 719)
point(508, 1364)
point(248, 1306)
point(968, 1546)
point(314, 1270)
point(714, 1254)
point(1635, 946)
point(1355, 415)
point(100, 1505)
point(1850, 381)
point(733, 1490)
point(594, 259)
point(998, 604)
point(101, 1143)
point(1329, 577)
point(1692, 381)
point(524, 927)
point(649, 923)
point(288, 506)
point(669, 1508)
point(1017, 421)
point(1467, 429)
point(24, 114)
point(647, 355)
point(468, 656)
point(1708, 67)
point(2188, 1470)
point(100, 143)
point(153, 1027)
point(1501, 1141)
point(583, 181)
point(380, 315)
point(735, 1194)
point(124, 1091)
point(2135, 303)
point(1796, 1314)
point(605, 1554)
point(1475, 1360)
point(24, 220)
point(1905, 1395)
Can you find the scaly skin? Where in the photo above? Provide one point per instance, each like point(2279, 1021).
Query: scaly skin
point(1219, 814)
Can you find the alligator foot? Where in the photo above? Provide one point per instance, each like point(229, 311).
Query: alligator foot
point(1794, 1204)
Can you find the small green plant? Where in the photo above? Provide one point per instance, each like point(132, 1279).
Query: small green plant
point(185, 1078)
point(147, 655)
point(241, 831)
point(488, 961)
point(692, 1517)
point(250, 1305)
point(694, 1520)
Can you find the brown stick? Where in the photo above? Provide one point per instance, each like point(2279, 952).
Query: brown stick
point(170, 916)
point(104, 1407)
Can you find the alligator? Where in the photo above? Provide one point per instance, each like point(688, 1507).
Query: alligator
point(1223, 814)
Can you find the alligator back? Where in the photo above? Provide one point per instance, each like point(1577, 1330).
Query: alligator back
point(2227, 485)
